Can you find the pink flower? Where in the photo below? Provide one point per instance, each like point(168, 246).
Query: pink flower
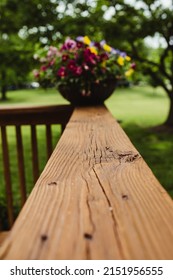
point(36, 73)
point(43, 68)
point(133, 65)
point(69, 44)
point(62, 72)
point(52, 62)
point(85, 66)
point(52, 51)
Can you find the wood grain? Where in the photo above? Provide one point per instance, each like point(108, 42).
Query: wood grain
point(96, 199)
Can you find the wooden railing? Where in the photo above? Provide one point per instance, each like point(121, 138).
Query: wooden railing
point(95, 199)
point(30, 116)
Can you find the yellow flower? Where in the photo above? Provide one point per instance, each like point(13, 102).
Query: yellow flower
point(120, 60)
point(93, 50)
point(128, 58)
point(86, 40)
point(107, 48)
point(129, 72)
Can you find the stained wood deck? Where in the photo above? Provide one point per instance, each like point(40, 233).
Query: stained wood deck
point(96, 199)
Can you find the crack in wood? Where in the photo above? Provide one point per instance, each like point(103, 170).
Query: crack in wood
point(53, 183)
point(88, 250)
point(112, 214)
point(88, 236)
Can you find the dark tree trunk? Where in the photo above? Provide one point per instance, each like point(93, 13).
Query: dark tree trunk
point(169, 120)
point(3, 92)
point(4, 86)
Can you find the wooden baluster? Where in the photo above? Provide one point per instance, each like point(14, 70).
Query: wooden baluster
point(62, 127)
point(48, 140)
point(21, 165)
point(7, 177)
point(35, 163)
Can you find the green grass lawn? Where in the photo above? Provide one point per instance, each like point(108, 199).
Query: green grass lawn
point(138, 109)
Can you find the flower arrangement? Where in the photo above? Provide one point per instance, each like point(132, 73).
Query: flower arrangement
point(81, 63)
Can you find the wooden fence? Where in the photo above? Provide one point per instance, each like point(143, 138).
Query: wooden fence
point(27, 116)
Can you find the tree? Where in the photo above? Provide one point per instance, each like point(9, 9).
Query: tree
point(134, 23)
point(21, 26)
point(16, 60)
point(13, 52)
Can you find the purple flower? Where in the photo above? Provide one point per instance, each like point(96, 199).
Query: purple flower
point(79, 38)
point(115, 51)
point(123, 54)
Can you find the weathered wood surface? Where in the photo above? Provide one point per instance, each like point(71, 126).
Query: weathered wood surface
point(96, 199)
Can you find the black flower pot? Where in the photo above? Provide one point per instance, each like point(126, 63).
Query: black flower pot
point(94, 94)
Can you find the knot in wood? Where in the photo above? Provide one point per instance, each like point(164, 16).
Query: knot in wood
point(44, 237)
point(125, 196)
point(88, 236)
point(127, 156)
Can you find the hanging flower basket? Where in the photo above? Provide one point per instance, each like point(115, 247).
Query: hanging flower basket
point(93, 94)
point(84, 72)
